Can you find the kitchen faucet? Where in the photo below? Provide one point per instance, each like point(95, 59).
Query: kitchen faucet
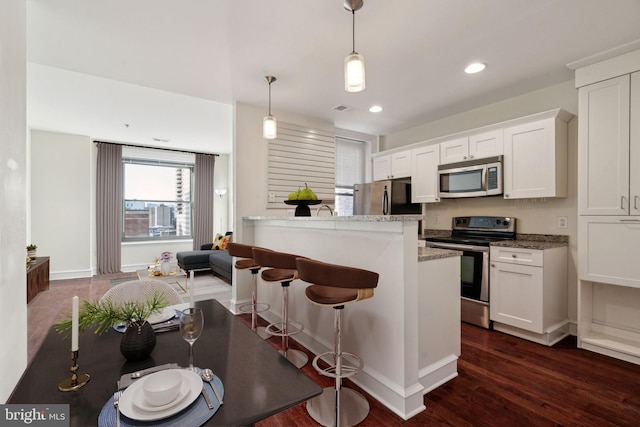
point(324, 206)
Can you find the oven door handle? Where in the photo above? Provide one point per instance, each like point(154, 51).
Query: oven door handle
point(457, 246)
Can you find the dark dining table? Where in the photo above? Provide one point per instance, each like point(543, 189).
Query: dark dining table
point(258, 381)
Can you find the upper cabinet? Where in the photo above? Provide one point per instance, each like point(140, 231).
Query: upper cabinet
point(424, 174)
point(487, 144)
point(609, 159)
point(391, 166)
point(535, 158)
point(534, 150)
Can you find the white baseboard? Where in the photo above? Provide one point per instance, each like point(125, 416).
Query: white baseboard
point(71, 274)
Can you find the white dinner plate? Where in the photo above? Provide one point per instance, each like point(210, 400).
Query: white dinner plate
point(131, 395)
point(166, 314)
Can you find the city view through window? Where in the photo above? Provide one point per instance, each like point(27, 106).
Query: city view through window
point(157, 201)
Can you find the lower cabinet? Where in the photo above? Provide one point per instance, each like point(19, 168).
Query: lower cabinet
point(609, 287)
point(608, 249)
point(37, 277)
point(528, 293)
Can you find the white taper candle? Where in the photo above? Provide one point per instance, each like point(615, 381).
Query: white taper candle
point(191, 283)
point(74, 324)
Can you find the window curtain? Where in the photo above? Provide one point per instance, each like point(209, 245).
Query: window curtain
point(109, 208)
point(203, 200)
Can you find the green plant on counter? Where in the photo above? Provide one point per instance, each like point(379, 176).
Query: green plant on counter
point(104, 314)
point(31, 247)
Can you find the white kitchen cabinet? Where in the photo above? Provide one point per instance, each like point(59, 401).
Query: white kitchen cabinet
point(424, 174)
point(391, 166)
point(609, 156)
point(535, 158)
point(476, 146)
point(609, 206)
point(608, 249)
point(528, 293)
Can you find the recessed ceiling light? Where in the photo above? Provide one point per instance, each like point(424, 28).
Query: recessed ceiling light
point(475, 67)
point(375, 109)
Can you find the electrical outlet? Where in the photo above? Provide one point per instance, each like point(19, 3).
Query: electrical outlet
point(272, 197)
point(562, 222)
point(437, 219)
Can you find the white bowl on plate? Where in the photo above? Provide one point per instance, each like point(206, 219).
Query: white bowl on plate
point(162, 387)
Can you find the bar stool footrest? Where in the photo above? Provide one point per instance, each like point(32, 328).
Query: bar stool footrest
point(351, 365)
point(277, 329)
point(248, 308)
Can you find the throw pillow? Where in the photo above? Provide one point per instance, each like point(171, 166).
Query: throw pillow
point(221, 242)
point(225, 241)
point(217, 241)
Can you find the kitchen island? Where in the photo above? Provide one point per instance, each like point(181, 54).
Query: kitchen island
point(408, 334)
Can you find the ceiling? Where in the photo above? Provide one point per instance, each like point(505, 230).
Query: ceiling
point(166, 73)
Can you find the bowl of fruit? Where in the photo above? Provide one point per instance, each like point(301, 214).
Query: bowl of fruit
point(302, 198)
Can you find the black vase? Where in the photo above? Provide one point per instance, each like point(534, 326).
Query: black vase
point(138, 342)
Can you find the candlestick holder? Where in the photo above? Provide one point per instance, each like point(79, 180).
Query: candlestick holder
point(75, 381)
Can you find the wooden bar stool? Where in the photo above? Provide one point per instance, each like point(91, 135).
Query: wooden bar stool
point(283, 270)
point(335, 286)
point(246, 261)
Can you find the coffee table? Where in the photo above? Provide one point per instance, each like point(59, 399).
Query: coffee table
point(172, 278)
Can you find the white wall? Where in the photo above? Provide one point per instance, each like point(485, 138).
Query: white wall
point(534, 216)
point(13, 148)
point(62, 212)
point(563, 95)
point(62, 198)
point(250, 161)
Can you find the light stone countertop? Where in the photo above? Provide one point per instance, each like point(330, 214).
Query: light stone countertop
point(529, 244)
point(353, 218)
point(426, 254)
point(524, 241)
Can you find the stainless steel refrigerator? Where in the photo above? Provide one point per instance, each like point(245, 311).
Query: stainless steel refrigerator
point(384, 198)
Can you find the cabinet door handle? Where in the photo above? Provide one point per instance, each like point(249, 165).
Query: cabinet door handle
point(630, 220)
point(622, 203)
point(635, 202)
point(493, 265)
point(514, 256)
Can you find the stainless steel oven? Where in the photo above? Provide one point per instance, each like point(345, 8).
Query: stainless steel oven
point(472, 236)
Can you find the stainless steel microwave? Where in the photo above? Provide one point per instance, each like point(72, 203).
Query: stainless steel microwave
point(474, 178)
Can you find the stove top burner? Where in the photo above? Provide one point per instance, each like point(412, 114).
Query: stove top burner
point(479, 230)
point(478, 241)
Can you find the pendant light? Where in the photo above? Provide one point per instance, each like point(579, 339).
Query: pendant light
point(353, 63)
point(269, 124)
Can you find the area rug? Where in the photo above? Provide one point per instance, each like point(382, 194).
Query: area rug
point(205, 286)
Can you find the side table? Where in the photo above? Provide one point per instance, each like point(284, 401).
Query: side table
point(37, 277)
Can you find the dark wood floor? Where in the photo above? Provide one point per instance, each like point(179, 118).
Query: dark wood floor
point(507, 381)
point(502, 381)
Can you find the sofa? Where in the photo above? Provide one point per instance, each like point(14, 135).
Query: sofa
point(218, 261)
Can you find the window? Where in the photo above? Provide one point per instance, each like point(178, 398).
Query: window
point(297, 156)
point(157, 197)
point(350, 166)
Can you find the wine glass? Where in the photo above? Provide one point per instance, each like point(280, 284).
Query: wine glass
point(191, 324)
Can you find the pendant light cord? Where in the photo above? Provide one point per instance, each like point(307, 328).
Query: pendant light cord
point(269, 98)
point(353, 15)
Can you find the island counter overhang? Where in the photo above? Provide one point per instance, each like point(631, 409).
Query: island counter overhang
point(408, 334)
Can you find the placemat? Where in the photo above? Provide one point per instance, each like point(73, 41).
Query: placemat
point(194, 415)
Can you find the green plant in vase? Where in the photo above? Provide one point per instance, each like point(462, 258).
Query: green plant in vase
point(138, 340)
point(31, 251)
point(104, 314)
